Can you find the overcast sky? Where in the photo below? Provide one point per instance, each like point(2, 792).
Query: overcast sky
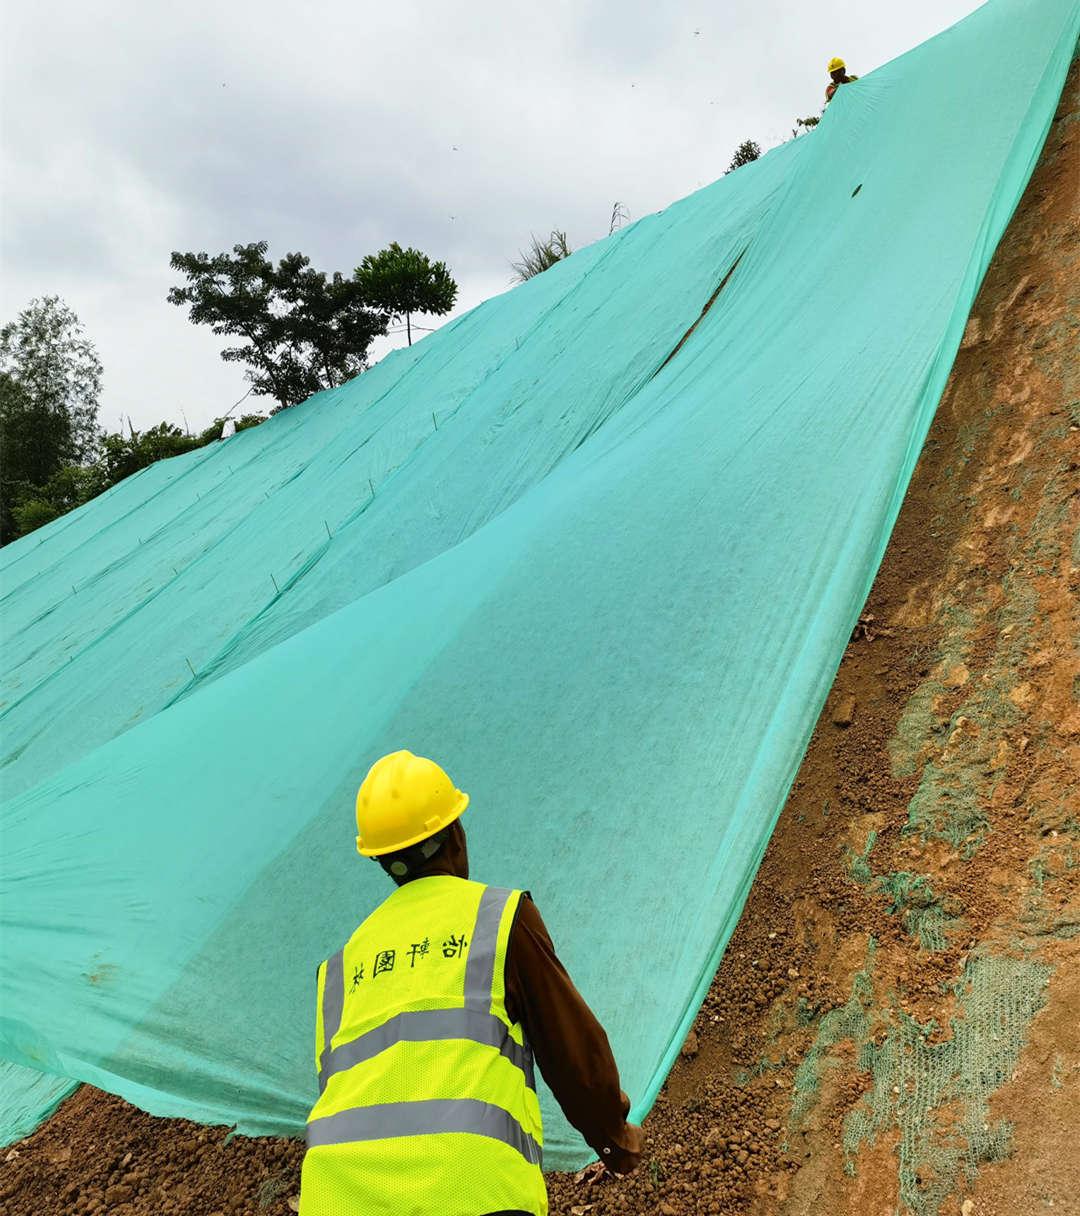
point(133, 129)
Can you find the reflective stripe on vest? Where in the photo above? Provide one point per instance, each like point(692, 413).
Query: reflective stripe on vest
point(431, 1117)
point(428, 1025)
point(333, 1006)
point(480, 967)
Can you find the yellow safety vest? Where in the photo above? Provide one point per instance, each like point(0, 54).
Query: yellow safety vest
point(427, 1100)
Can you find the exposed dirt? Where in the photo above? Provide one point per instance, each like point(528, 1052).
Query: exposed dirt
point(99, 1155)
point(895, 1026)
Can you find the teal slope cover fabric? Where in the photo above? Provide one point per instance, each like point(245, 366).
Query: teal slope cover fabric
point(28, 1096)
point(608, 589)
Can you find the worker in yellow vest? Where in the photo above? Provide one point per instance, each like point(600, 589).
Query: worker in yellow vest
point(427, 1025)
point(838, 75)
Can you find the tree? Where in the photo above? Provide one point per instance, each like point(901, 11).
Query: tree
point(541, 255)
point(403, 281)
point(302, 331)
point(45, 351)
point(747, 151)
point(50, 381)
point(18, 449)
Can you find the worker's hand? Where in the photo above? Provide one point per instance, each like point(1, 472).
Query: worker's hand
point(630, 1157)
point(621, 1159)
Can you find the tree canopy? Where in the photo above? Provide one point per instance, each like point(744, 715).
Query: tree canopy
point(747, 151)
point(53, 456)
point(46, 351)
point(50, 382)
point(301, 330)
point(405, 281)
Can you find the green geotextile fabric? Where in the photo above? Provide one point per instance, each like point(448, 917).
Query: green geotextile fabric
point(27, 1097)
point(607, 589)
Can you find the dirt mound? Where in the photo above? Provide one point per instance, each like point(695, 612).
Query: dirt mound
point(99, 1155)
point(893, 1027)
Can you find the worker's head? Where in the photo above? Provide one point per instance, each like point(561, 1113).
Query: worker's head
point(837, 69)
point(406, 811)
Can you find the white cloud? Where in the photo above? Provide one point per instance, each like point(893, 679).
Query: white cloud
point(133, 129)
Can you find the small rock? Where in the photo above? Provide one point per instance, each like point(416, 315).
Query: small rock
point(690, 1047)
point(294, 1203)
point(972, 336)
point(844, 712)
point(967, 1207)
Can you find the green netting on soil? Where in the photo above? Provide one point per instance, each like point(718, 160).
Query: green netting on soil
point(932, 1092)
point(915, 900)
point(608, 590)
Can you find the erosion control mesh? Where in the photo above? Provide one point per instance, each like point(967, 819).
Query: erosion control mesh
point(607, 589)
point(933, 1091)
point(937, 1092)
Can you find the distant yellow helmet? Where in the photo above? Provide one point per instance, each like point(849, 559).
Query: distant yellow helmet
point(404, 799)
point(836, 64)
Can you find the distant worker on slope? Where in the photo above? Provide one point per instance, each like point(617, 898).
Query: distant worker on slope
point(426, 1025)
point(838, 72)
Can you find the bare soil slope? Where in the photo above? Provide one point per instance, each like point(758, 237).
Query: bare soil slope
point(894, 1027)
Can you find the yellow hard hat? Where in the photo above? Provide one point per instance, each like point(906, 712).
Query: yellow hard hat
point(836, 64)
point(404, 799)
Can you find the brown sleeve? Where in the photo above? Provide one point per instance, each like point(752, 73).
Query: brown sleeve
point(570, 1046)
